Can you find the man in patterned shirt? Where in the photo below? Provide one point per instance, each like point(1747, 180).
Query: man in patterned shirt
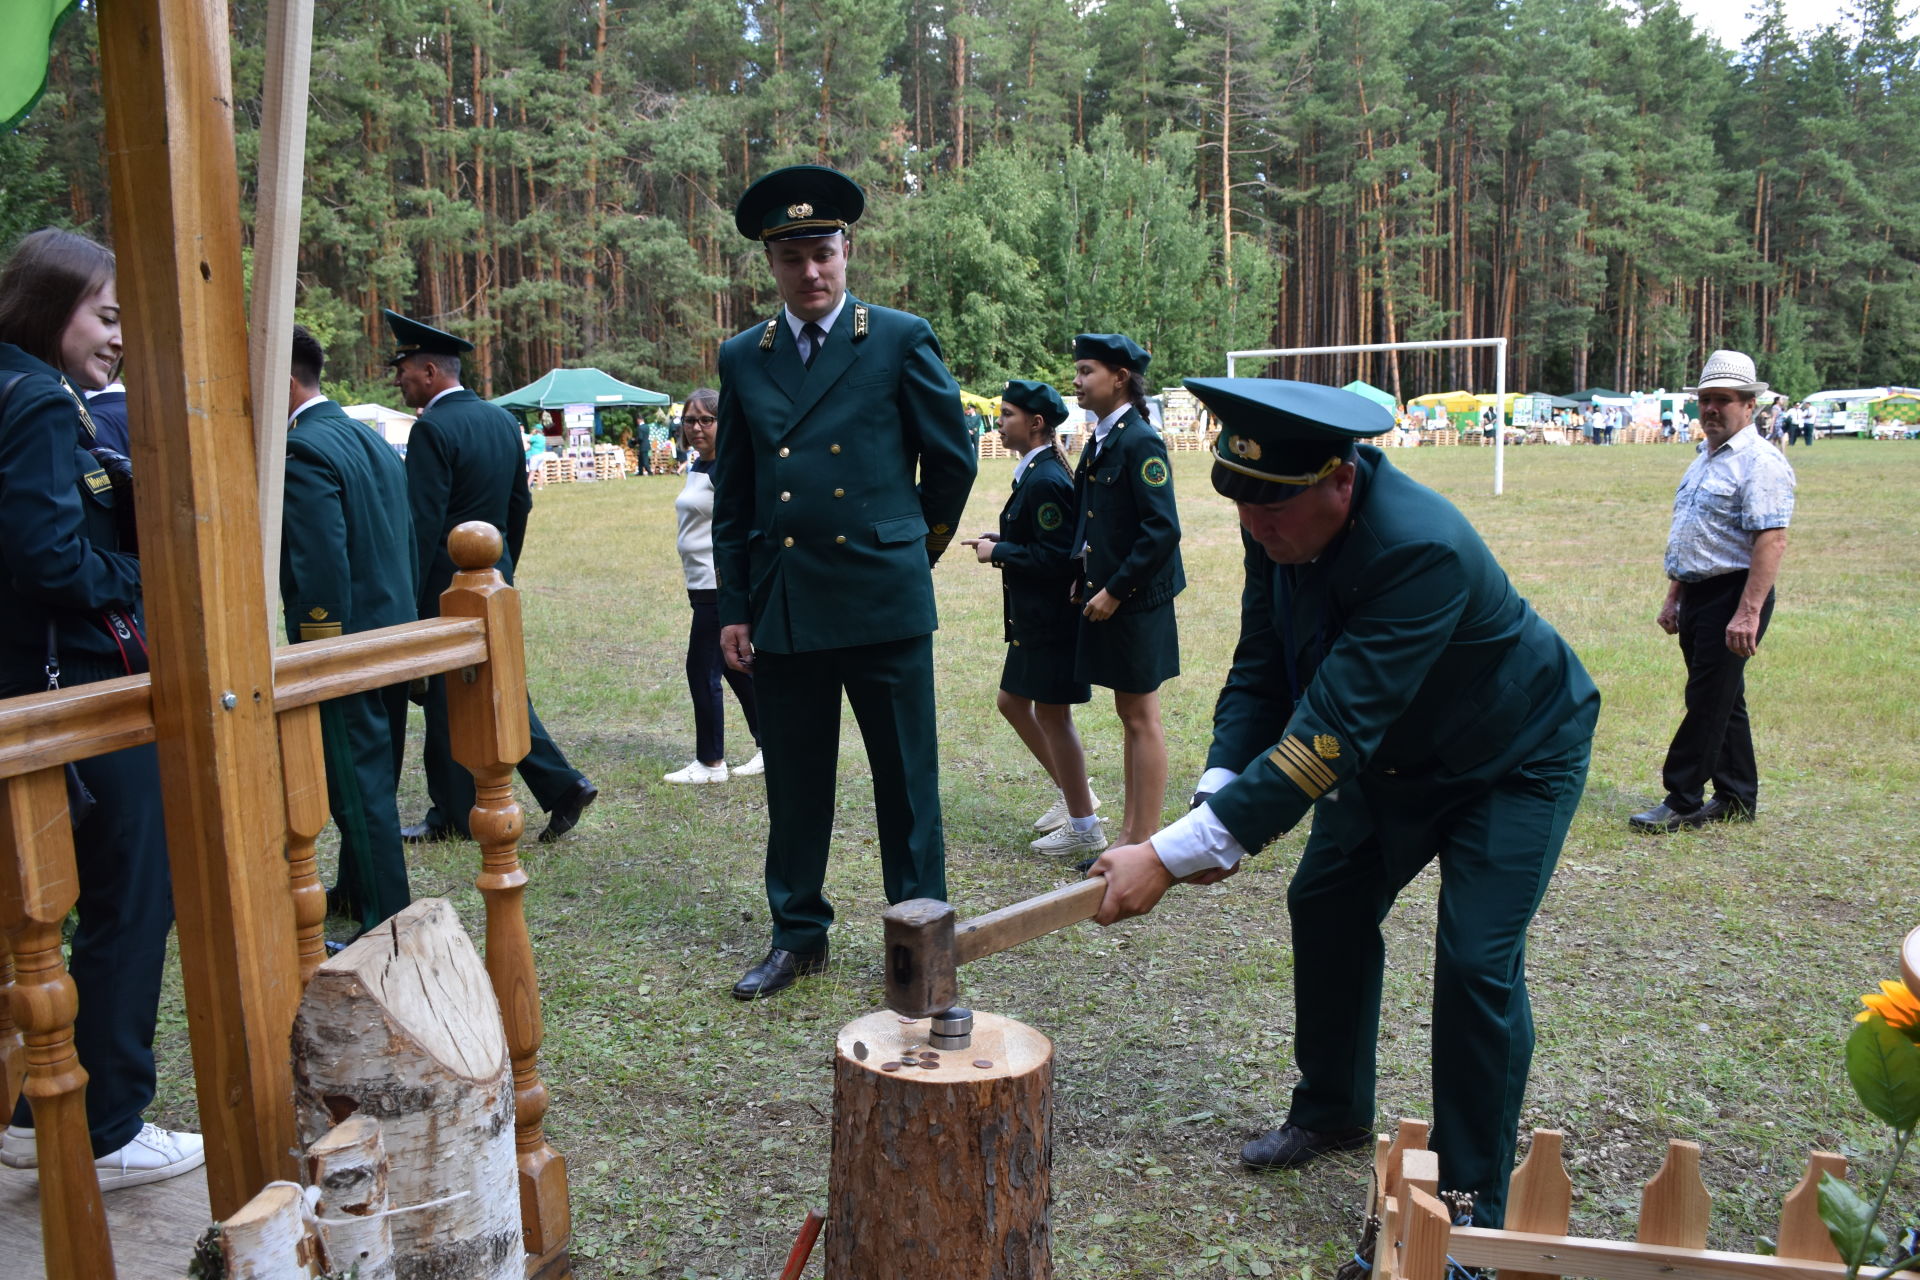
point(1729, 533)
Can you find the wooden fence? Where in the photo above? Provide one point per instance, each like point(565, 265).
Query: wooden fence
point(476, 641)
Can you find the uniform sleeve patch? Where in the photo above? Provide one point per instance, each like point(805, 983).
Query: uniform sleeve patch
point(1302, 767)
point(1326, 746)
point(1048, 517)
point(1154, 471)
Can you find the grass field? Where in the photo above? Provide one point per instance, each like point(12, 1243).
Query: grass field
point(1696, 986)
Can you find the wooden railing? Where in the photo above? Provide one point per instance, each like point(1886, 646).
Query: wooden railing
point(477, 642)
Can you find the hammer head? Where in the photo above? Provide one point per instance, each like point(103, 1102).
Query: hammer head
point(920, 957)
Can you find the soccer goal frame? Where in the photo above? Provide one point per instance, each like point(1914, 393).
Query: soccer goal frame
point(1499, 378)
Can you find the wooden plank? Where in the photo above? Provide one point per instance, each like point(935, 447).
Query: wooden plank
point(39, 885)
point(1426, 1231)
point(170, 157)
point(64, 725)
point(1540, 1194)
point(278, 181)
point(153, 1226)
point(1623, 1260)
point(1675, 1207)
point(1010, 926)
point(1802, 1234)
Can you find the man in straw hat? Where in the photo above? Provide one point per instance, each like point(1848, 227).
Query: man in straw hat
point(1390, 680)
point(1730, 518)
point(841, 466)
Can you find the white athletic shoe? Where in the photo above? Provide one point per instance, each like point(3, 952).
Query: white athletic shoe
point(153, 1155)
point(697, 772)
point(1063, 841)
point(1057, 815)
point(751, 767)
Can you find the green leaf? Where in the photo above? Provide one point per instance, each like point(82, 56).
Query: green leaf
point(1885, 1069)
point(1849, 1219)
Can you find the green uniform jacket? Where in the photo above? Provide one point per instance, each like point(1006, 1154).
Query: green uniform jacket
point(347, 554)
point(821, 537)
point(1127, 519)
point(1035, 551)
point(1421, 672)
point(465, 461)
point(59, 557)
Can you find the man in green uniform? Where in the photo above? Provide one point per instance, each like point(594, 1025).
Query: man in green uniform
point(465, 461)
point(1390, 679)
point(346, 565)
point(824, 545)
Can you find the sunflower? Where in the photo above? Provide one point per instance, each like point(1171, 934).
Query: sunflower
point(1897, 1005)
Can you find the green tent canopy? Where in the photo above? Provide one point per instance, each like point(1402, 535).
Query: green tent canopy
point(1372, 393)
point(1595, 393)
point(563, 387)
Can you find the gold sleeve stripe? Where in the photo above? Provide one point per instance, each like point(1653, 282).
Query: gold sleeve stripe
point(319, 630)
point(1307, 771)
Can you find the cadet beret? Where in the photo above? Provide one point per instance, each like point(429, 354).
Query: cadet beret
point(802, 201)
point(411, 338)
point(1278, 437)
point(1036, 397)
point(1112, 348)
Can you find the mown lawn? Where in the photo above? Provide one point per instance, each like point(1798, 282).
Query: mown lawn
point(1697, 986)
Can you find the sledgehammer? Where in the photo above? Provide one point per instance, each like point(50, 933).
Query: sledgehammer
point(925, 945)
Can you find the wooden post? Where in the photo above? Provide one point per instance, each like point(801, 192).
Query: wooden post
point(1423, 1253)
point(1675, 1206)
point(1540, 1195)
point(1802, 1233)
point(39, 884)
point(349, 1166)
point(943, 1170)
point(487, 723)
point(169, 120)
point(402, 1028)
point(303, 766)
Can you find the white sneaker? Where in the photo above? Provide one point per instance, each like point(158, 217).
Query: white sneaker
point(1063, 841)
point(153, 1155)
point(1057, 815)
point(697, 772)
point(751, 767)
point(18, 1150)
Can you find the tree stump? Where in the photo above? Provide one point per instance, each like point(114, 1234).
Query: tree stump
point(403, 1026)
point(943, 1170)
point(349, 1166)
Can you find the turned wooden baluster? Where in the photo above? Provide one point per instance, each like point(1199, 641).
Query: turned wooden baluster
point(39, 884)
point(303, 771)
point(487, 725)
point(13, 1050)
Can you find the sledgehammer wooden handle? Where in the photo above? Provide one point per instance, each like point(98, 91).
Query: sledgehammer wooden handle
point(1011, 926)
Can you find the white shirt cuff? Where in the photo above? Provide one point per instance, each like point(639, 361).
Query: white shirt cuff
point(1214, 779)
point(1197, 842)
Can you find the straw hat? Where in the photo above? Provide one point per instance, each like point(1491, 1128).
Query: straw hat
point(1729, 371)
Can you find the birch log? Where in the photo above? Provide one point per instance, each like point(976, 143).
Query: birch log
point(272, 1237)
point(403, 1027)
point(349, 1167)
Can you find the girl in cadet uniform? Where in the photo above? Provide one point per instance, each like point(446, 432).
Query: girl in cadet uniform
point(70, 615)
point(1034, 552)
point(1129, 532)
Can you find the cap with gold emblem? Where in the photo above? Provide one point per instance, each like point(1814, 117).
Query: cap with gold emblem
point(1277, 438)
point(1036, 397)
point(411, 338)
point(802, 201)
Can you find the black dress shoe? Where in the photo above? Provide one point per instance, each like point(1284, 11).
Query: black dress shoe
point(1290, 1146)
point(1662, 818)
point(425, 833)
point(567, 810)
point(1718, 810)
point(777, 972)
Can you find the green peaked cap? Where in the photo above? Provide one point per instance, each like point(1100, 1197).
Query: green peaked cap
point(411, 338)
point(1278, 437)
point(802, 201)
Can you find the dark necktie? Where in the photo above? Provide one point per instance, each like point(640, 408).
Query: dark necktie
point(814, 335)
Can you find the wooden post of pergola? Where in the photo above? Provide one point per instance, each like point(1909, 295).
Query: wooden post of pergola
point(176, 200)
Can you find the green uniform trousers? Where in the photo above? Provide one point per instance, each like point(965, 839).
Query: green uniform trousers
point(890, 687)
point(364, 736)
point(1497, 847)
point(449, 785)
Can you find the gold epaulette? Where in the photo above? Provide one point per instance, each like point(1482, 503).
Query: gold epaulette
point(859, 321)
point(766, 334)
